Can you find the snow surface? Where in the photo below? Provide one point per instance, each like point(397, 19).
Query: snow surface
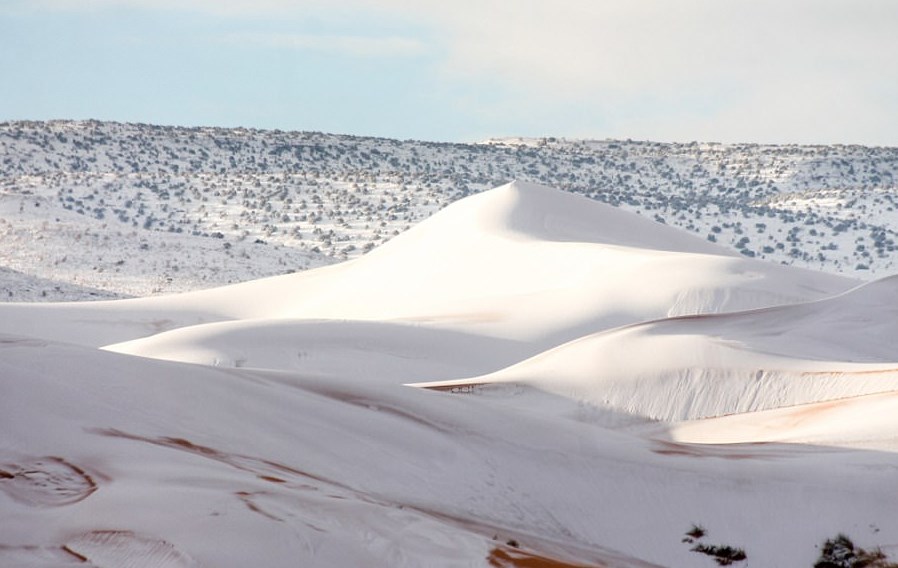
point(597, 384)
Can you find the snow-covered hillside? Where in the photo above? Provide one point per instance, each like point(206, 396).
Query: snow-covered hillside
point(140, 209)
point(526, 378)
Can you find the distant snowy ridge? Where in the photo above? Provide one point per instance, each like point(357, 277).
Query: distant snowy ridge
point(178, 209)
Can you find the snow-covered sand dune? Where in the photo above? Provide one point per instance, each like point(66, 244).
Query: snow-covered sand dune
point(269, 423)
point(703, 366)
point(859, 422)
point(392, 352)
point(520, 262)
point(196, 466)
point(523, 267)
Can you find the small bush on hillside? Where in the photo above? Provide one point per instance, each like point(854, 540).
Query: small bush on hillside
point(724, 555)
point(697, 531)
point(840, 552)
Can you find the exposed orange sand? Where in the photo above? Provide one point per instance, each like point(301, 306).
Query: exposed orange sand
point(507, 557)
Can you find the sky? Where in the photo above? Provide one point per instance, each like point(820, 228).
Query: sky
point(765, 71)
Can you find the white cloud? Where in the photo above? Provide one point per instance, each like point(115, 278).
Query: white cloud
point(637, 44)
point(813, 111)
point(803, 70)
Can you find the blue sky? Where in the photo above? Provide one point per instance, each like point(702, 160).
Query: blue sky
point(804, 71)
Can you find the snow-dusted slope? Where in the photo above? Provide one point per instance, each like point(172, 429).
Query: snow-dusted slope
point(113, 461)
point(869, 422)
point(59, 248)
point(378, 352)
point(19, 287)
point(710, 365)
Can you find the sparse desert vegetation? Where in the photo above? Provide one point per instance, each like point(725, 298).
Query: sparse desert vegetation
point(140, 209)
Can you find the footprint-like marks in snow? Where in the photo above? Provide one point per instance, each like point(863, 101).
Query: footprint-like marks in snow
point(99, 549)
point(39, 557)
point(114, 549)
point(46, 482)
